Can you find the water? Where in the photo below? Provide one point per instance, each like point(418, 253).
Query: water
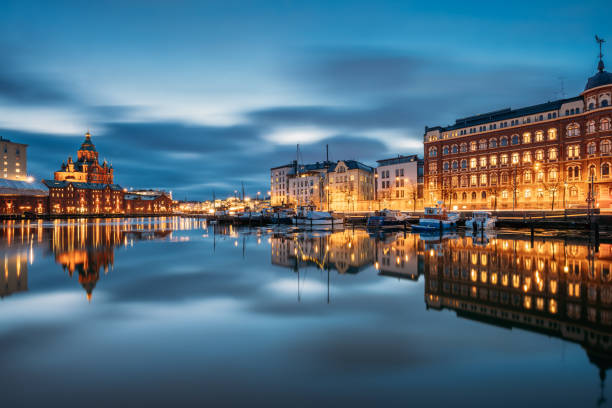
point(172, 312)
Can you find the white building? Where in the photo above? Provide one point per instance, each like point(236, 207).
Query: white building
point(14, 159)
point(399, 183)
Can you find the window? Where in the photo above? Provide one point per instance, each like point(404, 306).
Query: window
point(552, 134)
point(493, 160)
point(527, 177)
point(504, 194)
point(455, 149)
point(573, 173)
point(605, 170)
point(527, 193)
point(591, 147)
point(473, 163)
point(540, 176)
point(463, 148)
point(552, 175)
point(464, 164)
point(493, 179)
point(573, 129)
point(482, 145)
point(483, 195)
point(492, 143)
point(527, 137)
point(526, 157)
point(473, 179)
point(473, 146)
point(483, 161)
point(455, 165)
point(590, 126)
point(504, 178)
point(464, 196)
point(483, 179)
point(446, 166)
point(463, 182)
point(515, 139)
point(445, 150)
point(604, 124)
point(539, 136)
point(515, 158)
point(504, 159)
point(553, 153)
point(433, 152)
point(604, 103)
point(473, 195)
point(503, 141)
point(604, 147)
point(539, 155)
point(573, 151)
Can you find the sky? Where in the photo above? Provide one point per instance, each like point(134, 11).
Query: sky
point(198, 97)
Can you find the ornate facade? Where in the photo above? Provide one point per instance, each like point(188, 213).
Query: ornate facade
point(548, 156)
point(86, 169)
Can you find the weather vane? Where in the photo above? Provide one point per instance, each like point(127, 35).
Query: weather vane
point(600, 41)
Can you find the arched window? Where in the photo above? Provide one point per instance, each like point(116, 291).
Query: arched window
point(464, 196)
point(455, 165)
point(539, 136)
point(446, 166)
point(473, 163)
point(463, 147)
point(473, 196)
point(464, 164)
point(540, 176)
point(604, 124)
point(605, 170)
point(492, 143)
point(482, 145)
point(503, 141)
point(527, 176)
point(473, 146)
point(552, 134)
point(515, 139)
point(539, 155)
point(493, 160)
point(483, 179)
point(463, 181)
point(483, 195)
point(591, 148)
point(504, 178)
point(454, 196)
point(493, 179)
point(526, 137)
point(433, 152)
point(573, 192)
point(483, 161)
point(455, 149)
point(573, 129)
point(553, 175)
point(455, 182)
point(590, 126)
point(527, 157)
point(604, 146)
point(515, 158)
point(604, 103)
point(570, 173)
point(445, 150)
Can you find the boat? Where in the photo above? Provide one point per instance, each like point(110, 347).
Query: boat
point(481, 220)
point(318, 219)
point(250, 216)
point(387, 219)
point(435, 219)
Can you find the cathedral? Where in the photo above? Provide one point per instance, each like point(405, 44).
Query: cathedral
point(86, 169)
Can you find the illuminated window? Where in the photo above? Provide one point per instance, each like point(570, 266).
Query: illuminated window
point(539, 136)
point(483, 161)
point(473, 146)
point(590, 127)
point(552, 134)
point(527, 193)
point(553, 175)
point(504, 159)
point(573, 129)
point(527, 137)
point(515, 158)
point(504, 194)
point(473, 179)
point(553, 153)
point(483, 179)
point(604, 124)
point(526, 157)
point(527, 177)
point(539, 155)
point(591, 148)
point(573, 151)
point(473, 163)
point(493, 160)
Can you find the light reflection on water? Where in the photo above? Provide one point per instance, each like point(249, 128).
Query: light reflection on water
point(171, 310)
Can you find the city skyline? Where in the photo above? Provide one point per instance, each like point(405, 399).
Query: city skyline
point(179, 101)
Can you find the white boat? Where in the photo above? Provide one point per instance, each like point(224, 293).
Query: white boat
point(436, 218)
point(387, 219)
point(481, 220)
point(318, 219)
point(250, 215)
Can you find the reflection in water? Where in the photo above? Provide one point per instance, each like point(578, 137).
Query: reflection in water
point(554, 288)
point(551, 287)
point(82, 246)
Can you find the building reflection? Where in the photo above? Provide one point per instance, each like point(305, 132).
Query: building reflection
point(347, 252)
point(400, 256)
point(551, 287)
point(84, 248)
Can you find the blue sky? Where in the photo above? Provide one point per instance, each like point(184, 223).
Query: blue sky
point(196, 96)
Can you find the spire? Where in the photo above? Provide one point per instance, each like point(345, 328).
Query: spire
point(600, 65)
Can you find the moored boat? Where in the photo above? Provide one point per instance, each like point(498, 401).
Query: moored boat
point(435, 219)
point(481, 220)
point(387, 219)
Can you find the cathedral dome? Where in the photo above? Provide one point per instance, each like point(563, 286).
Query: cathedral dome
point(599, 79)
point(87, 143)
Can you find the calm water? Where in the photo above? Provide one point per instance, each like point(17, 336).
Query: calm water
point(167, 312)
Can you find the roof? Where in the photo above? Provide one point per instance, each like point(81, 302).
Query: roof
point(8, 141)
point(15, 187)
point(599, 79)
point(505, 114)
point(80, 185)
point(352, 165)
point(142, 197)
point(397, 160)
point(87, 143)
point(281, 167)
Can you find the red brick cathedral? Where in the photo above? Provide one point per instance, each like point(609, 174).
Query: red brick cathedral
point(87, 169)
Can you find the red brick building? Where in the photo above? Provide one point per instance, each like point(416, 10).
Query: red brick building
point(159, 203)
point(84, 198)
point(553, 154)
point(20, 197)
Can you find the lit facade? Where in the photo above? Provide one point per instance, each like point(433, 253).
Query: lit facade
point(399, 183)
point(86, 169)
point(553, 155)
point(14, 160)
point(350, 187)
